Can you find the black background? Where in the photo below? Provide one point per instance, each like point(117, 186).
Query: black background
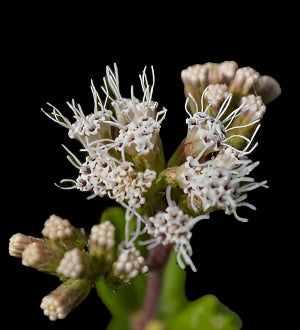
point(51, 54)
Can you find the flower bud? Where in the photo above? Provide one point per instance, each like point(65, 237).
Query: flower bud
point(43, 256)
point(18, 243)
point(129, 264)
point(102, 240)
point(197, 77)
point(61, 231)
point(60, 302)
point(249, 81)
point(73, 264)
point(243, 127)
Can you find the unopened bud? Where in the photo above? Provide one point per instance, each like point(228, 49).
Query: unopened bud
point(249, 81)
point(197, 77)
point(73, 263)
point(18, 243)
point(243, 127)
point(60, 230)
point(130, 262)
point(244, 80)
point(60, 302)
point(102, 240)
point(43, 256)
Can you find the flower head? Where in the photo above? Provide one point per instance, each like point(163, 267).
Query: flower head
point(218, 122)
point(121, 141)
point(219, 183)
point(173, 226)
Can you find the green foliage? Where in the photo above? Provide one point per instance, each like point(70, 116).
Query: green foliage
point(123, 303)
point(173, 297)
point(205, 313)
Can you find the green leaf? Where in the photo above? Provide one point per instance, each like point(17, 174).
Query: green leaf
point(125, 301)
point(205, 313)
point(118, 323)
point(173, 297)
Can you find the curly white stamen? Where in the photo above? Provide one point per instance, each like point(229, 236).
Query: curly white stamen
point(214, 131)
point(173, 226)
point(219, 183)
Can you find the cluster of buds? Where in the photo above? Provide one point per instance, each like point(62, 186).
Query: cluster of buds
point(77, 258)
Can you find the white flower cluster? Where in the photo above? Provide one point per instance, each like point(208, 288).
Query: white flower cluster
point(210, 133)
point(121, 182)
point(117, 137)
point(215, 174)
point(137, 137)
point(210, 186)
point(209, 170)
point(206, 131)
point(174, 227)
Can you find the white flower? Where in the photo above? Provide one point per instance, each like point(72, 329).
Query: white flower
point(108, 138)
point(120, 181)
point(232, 128)
point(138, 137)
point(129, 185)
point(219, 183)
point(128, 110)
point(174, 227)
point(86, 128)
